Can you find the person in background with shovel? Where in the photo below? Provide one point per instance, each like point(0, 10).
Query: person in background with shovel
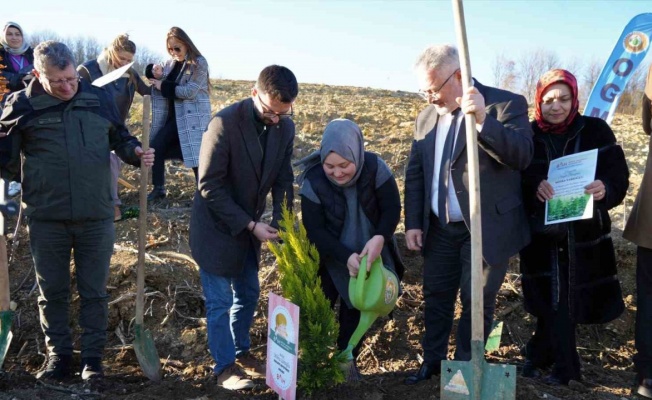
point(65, 128)
point(569, 269)
point(120, 53)
point(245, 153)
point(350, 206)
point(437, 216)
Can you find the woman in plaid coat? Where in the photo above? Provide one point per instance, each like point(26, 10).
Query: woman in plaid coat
point(181, 107)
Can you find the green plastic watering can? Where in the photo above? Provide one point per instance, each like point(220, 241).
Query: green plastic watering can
point(374, 293)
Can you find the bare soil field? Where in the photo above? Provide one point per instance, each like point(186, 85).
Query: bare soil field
point(175, 307)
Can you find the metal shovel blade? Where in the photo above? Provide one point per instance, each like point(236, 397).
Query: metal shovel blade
point(6, 317)
point(493, 341)
point(146, 353)
point(498, 381)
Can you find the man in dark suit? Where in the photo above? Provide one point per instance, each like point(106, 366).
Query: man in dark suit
point(245, 154)
point(437, 215)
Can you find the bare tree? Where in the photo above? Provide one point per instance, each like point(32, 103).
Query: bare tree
point(41, 36)
point(588, 79)
point(145, 56)
point(531, 66)
point(504, 72)
point(630, 99)
point(86, 48)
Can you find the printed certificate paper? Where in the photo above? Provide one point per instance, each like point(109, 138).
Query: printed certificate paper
point(568, 176)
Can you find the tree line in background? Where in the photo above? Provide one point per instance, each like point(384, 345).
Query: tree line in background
point(520, 75)
point(88, 48)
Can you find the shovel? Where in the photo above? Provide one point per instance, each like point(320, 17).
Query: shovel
point(6, 313)
point(144, 347)
point(475, 379)
point(374, 293)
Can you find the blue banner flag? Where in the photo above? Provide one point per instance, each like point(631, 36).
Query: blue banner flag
point(630, 50)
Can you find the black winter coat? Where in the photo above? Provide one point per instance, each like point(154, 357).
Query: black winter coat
point(15, 83)
point(15, 78)
point(594, 290)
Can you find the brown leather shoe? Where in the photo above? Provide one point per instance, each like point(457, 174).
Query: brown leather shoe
point(234, 378)
point(252, 366)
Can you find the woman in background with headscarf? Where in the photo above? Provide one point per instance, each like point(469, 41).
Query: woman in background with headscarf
point(350, 207)
point(569, 270)
point(120, 53)
point(18, 61)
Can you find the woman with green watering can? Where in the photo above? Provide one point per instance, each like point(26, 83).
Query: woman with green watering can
point(350, 207)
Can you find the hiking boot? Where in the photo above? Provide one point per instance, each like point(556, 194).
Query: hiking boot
point(57, 367)
point(251, 365)
point(234, 378)
point(157, 193)
point(91, 368)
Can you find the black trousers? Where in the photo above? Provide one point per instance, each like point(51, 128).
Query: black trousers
point(643, 337)
point(167, 146)
point(91, 244)
point(349, 318)
point(553, 342)
point(447, 270)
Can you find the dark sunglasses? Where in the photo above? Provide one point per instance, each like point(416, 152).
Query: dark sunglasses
point(175, 49)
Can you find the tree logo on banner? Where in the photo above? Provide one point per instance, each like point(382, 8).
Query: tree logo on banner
point(636, 42)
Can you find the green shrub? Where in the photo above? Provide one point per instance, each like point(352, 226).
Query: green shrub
point(298, 263)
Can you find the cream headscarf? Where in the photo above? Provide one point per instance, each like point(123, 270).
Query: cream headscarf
point(23, 48)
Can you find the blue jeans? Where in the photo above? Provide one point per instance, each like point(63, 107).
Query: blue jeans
point(230, 306)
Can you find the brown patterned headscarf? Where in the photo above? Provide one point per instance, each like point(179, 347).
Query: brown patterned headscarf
point(550, 78)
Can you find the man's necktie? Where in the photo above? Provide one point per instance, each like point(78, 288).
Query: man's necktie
point(444, 170)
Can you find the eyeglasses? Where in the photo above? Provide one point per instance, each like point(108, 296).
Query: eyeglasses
point(429, 94)
point(176, 49)
point(61, 82)
point(270, 114)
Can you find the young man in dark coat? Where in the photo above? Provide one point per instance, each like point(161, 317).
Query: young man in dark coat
point(245, 154)
point(437, 214)
point(65, 130)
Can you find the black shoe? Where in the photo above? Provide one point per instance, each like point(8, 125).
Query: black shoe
point(57, 368)
point(555, 379)
point(157, 193)
point(644, 387)
point(425, 372)
point(91, 368)
point(530, 370)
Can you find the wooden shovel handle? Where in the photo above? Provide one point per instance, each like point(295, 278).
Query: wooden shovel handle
point(477, 326)
point(142, 214)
